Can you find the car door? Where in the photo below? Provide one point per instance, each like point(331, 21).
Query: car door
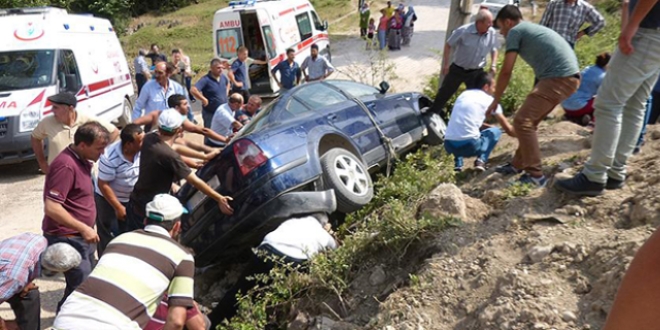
point(393, 113)
point(337, 110)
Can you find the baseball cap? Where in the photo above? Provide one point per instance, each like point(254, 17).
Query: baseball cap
point(64, 98)
point(169, 120)
point(164, 207)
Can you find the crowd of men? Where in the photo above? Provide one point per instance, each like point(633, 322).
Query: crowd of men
point(108, 193)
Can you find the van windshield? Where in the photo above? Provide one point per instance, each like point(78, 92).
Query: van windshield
point(26, 69)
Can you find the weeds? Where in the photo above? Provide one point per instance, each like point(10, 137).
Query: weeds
point(517, 189)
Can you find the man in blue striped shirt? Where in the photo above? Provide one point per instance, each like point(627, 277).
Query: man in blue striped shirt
point(119, 168)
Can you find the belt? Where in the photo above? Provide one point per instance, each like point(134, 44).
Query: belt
point(65, 235)
point(464, 69)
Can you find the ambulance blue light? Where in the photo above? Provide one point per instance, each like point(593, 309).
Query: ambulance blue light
point(66, 26)
point(242, 3)
point(91, 27)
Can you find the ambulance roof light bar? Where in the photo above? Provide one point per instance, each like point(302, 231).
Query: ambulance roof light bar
point(242, 3)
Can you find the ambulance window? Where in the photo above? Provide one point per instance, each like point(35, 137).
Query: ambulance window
point(68, 76)
point(270, 41)
point(26, 69)
point(317, 22)
point(304, 26)
point(228, 42)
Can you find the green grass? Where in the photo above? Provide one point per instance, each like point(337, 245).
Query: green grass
point(194, 34)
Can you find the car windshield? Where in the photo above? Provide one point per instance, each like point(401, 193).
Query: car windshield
point(259, 121)
point(26, 69)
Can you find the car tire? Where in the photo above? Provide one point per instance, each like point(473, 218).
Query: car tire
point(126, 114)
point(436, 128)
point(348, 176)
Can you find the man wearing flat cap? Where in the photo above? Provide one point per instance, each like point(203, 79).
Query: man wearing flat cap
point(60, 128)
point(134, 273)
point(22, 257)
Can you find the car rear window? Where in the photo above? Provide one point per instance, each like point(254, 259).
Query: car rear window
point(353, 88)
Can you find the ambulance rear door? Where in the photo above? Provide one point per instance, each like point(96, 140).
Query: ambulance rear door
point(270, 46)
point(227, 34)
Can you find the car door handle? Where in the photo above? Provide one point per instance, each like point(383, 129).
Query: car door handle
point(332, 117)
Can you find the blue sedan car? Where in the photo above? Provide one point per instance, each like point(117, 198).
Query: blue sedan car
point(310, 150)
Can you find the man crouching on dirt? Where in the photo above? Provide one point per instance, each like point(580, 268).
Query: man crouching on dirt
point(22, 257)
point(556, 67)
point(467, 134)
point(294, 242)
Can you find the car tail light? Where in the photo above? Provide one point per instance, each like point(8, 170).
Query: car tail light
point(248, 155)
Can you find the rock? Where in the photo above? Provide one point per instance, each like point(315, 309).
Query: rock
point(378, 276)
point(568, 316)
point(301, 322)
point(537, 253)
point(447, 200)
point(324, 323)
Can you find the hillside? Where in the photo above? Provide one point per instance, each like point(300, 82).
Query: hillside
point(189, 28)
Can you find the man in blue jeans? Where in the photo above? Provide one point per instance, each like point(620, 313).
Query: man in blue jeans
point(467, 135)
point(620, 103)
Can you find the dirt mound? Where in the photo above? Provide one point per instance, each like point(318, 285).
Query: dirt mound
point(522, 259)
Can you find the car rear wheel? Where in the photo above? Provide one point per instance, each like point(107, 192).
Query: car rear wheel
point(126, 113)
point(348, 176)
point(436, 128)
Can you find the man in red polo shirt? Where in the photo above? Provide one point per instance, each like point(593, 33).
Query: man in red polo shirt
point(69, 207)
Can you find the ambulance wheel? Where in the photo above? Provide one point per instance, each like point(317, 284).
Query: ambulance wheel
point(126, 113)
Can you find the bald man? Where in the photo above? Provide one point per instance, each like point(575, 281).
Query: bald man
point(468, 46)
point(155, 92)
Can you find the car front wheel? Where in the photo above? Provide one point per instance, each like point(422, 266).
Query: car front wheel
point(348, 176)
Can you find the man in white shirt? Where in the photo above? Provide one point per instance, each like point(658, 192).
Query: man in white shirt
point(294, 242)
point(119, 168)
point(224, 123)
point(467, 135)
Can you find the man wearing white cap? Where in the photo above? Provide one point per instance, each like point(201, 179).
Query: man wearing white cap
point(134, 273)
point(160, 166)
point(20, 257)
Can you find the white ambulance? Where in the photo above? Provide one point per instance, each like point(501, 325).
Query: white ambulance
point(267, 29)
point(45, 51)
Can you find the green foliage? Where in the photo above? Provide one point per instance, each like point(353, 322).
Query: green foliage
point(387, 226)
point(517, 189)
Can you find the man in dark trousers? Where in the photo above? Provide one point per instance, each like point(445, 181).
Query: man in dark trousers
point(212, 90)
point(69, 207)
point(160, 166)
point(468, 46)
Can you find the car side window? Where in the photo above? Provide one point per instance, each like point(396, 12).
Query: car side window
point(296, 108)
point(304, 26)
point(67, 72)
point(353, 88)
point(319, 95)
point(318, 25)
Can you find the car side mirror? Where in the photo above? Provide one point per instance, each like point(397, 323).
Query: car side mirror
point(325, 25)
point(384, 87)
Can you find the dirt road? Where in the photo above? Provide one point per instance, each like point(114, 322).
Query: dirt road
point(21, 185)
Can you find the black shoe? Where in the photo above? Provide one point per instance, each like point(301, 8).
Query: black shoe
point(537, 182)
point(507, 169)
point(613, 184)
point(580, 185)
point(458, 169)
point(479, 165)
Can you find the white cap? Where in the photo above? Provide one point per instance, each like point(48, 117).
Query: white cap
point(164, 207)
point(169, 120)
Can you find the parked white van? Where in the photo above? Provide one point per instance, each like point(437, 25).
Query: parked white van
point(46, 50)
point(267, 29)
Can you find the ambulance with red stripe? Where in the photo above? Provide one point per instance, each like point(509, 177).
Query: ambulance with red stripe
point(267, 29)
point(45, 51)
